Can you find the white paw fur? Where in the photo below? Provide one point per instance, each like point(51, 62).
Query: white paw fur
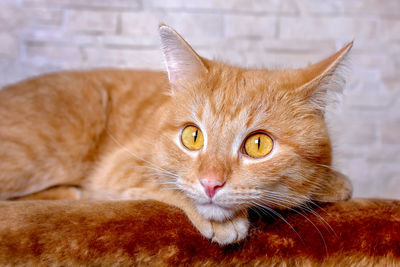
point(229, 232)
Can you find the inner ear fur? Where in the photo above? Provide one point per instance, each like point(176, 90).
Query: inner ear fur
point(335, 187)
point(182, 62)
point(317, 80)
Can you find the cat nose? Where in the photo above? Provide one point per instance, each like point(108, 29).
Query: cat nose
point(211, 186)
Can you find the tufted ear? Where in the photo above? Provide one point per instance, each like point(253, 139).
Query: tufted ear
point(182, 61)
point(336, 187)
point(319, 79)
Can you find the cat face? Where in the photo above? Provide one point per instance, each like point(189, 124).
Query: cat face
point(237, 138)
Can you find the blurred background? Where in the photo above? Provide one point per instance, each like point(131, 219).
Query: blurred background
point(38, 36)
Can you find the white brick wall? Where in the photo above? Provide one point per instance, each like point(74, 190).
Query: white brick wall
point(38, 36)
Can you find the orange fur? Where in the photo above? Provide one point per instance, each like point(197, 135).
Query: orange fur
point(115, 135)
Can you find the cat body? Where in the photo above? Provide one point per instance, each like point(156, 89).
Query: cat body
point(207, 137)
point(61, 124)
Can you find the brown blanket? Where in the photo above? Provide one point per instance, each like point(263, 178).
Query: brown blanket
point(357, 232)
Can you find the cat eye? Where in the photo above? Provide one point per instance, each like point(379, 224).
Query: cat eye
point(192, 137)
point(258, 145)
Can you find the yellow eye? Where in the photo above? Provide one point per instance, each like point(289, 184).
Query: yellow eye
point(192, 138)
point(258, 145)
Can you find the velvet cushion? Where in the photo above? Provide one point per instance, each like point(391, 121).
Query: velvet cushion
point(357, 232)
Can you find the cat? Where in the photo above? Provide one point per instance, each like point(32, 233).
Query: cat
point(207, 137)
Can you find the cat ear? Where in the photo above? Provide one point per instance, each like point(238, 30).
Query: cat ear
point(322, 78)
point(182, 61)
point(335, 187)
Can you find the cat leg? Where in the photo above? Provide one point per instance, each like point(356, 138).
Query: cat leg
point(226, 232)
point(54, 193)
point(231, 231)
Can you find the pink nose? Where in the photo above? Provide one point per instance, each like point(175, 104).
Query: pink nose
point(211, 186)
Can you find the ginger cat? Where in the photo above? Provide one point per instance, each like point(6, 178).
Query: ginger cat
point(209, 138)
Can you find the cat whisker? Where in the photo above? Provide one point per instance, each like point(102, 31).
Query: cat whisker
point(312, 223)
point(244, 197)
point(169, 181)
point(257, 211)
point(306, 200)
point(326, 224)
point(266, 208)
point(319, 232)
point(133, 154)
point(170, 188)
point(286, 195)
point(160, 174)
point(190, 193)
point(278, 199)
point(170, 185)
point(160, 171)
point(311, 201)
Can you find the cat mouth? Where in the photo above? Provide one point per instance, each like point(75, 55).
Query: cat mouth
point(213, 204)
point(214, 211)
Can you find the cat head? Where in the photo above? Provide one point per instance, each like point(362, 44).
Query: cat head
point(245, 137)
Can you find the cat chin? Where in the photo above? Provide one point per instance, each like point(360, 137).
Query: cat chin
point(214, 212)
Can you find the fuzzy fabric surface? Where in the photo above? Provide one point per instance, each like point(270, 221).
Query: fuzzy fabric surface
point(358, 232)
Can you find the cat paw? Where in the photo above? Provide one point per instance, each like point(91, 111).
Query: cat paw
point(223, 233)
point(205, 228)
point(229, 232)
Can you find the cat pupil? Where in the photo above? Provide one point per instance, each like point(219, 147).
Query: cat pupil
point(195, 135)
point(258, 143)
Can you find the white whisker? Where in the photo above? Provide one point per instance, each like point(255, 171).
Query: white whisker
point(305, 217)
point(134, 155)
point(326, 224)
point(279, 216)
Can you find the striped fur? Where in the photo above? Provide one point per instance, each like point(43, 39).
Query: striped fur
point(114, 134)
